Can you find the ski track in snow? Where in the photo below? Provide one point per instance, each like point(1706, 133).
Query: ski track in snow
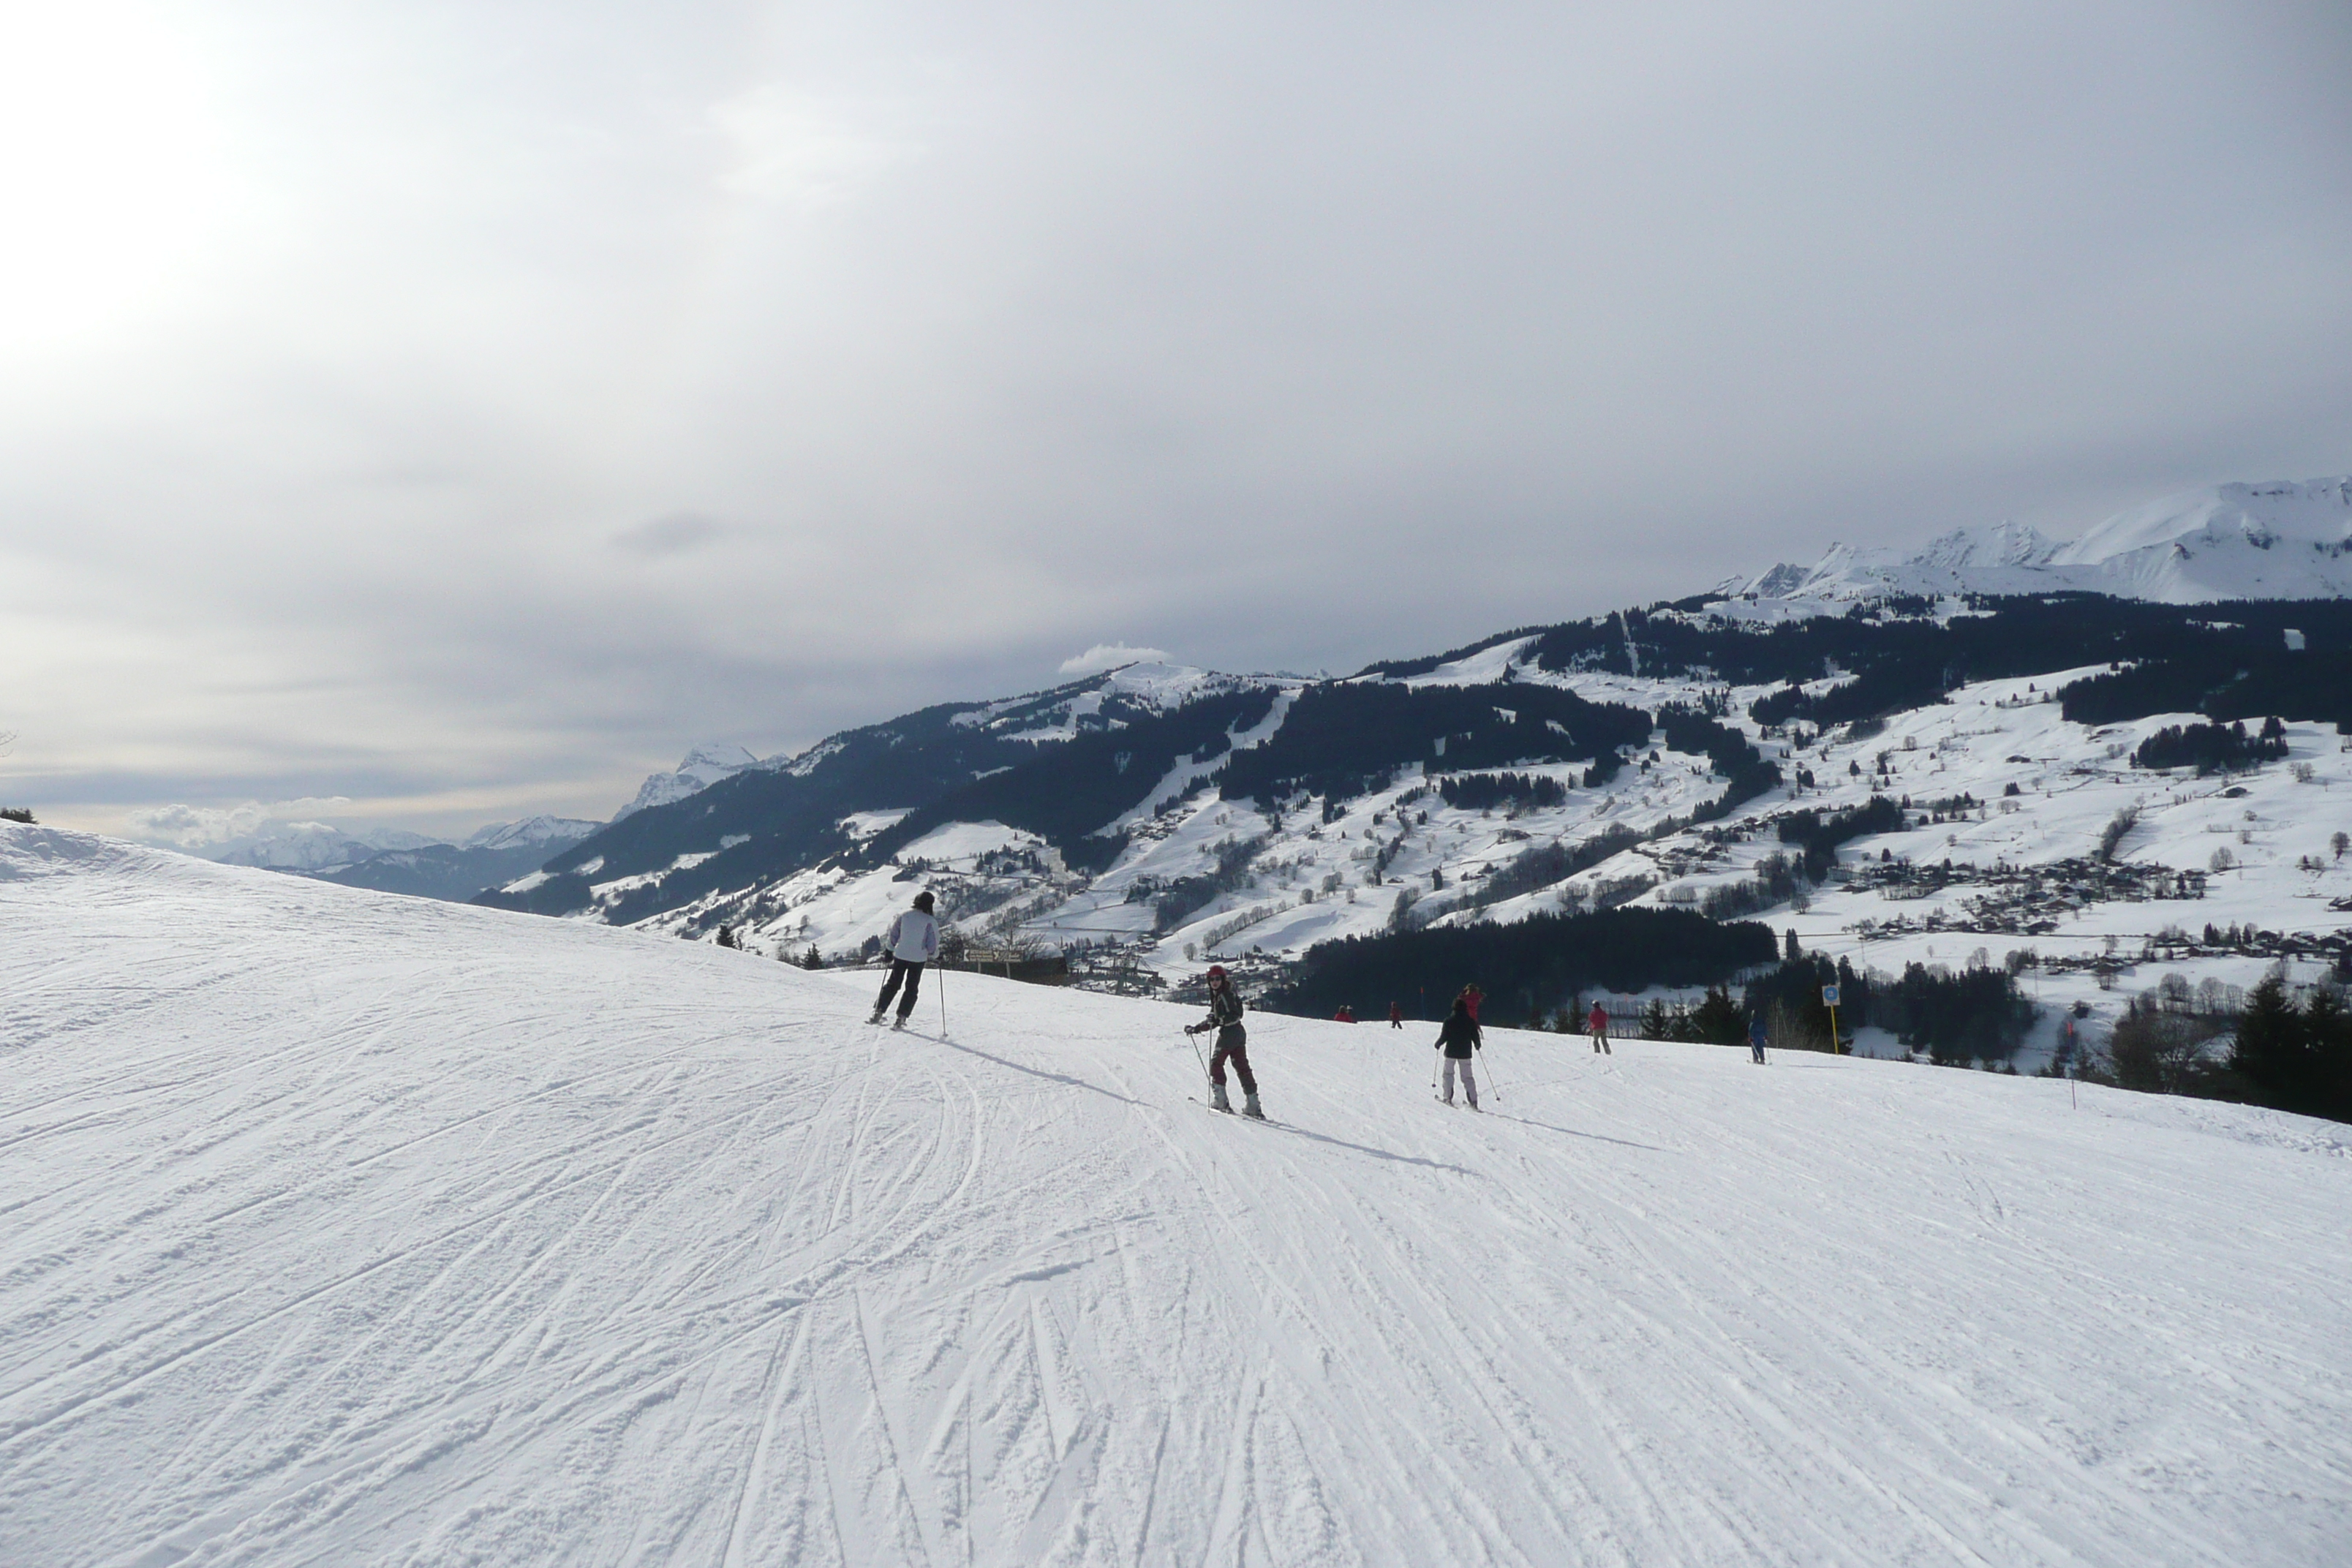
point(346, 1228)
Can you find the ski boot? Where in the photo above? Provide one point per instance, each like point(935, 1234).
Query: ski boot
point(875, 1017)
point(1217, 1100)
point(1249, 1104)
point(899, 1022)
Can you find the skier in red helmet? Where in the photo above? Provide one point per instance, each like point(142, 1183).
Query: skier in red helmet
point(1233, 1044)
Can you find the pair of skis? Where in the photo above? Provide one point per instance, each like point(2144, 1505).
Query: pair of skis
point(1237, 1115)
point(1193, 1040)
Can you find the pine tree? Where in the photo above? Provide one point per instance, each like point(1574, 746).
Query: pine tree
point(2272, 1048)
point(1717, 1021)
point(2328, 1035)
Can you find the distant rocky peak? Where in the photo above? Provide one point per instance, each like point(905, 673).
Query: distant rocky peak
point(715, 759)
point(705, 765)
point(2272, 540)
point(2003, 543)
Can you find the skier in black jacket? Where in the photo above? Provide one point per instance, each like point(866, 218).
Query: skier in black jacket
point(1232, 1041)
point(1458, 1036)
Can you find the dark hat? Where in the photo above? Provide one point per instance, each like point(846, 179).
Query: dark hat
point(923, 902)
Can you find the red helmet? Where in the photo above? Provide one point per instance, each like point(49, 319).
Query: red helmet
point(1216, 971)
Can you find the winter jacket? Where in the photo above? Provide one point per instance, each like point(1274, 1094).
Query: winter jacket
point(914, 937)
point(1460, 1034)
point(1224, 1010)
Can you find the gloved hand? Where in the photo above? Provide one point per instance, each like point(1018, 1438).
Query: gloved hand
point(1191, 1028)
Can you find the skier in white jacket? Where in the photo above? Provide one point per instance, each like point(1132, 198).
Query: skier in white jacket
point(913, 941)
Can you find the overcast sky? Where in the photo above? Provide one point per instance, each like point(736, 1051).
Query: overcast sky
point(456, 408)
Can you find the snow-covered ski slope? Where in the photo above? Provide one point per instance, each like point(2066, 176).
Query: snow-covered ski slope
point(341, 1227)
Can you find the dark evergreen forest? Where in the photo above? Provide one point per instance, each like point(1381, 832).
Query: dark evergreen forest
point(2213, 748)
point(1969, 1015)
point(1818, 836)
point(1348, 737)
point(1485, 791)
point(1527, 968)
point(2294, 1059)
point(2227, 661)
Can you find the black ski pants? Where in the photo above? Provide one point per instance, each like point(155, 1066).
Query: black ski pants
point(1233, 1045)
point(912, 973)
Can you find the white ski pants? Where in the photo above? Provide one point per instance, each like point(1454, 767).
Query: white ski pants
point(1469, 1084)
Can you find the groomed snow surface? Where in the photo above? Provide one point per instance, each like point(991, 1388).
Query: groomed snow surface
point(344, 1228)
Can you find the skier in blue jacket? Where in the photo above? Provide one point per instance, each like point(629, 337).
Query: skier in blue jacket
point(913, 941)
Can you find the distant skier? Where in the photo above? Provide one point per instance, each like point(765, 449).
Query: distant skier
point(1597, 1022)
point(1458, 1037)
point(1471, 996)
point(1345, 1015)
point(1756, 1037)
point(913, 941)
point(1396, 1015)
point(1233, 1044)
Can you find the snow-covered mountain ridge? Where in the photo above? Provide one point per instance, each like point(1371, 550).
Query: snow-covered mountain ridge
point(531, 831)
point(351, 1228)
point(311, 847)
point(2275, 541)
point(1661, 760)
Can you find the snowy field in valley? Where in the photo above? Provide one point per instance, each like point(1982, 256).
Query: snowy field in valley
point(341, 1228)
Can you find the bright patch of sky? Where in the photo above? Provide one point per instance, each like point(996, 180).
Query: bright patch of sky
point(462, 409)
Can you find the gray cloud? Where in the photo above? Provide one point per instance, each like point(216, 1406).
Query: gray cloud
point(1274, 336)
point(673, 534)
point(201, 827)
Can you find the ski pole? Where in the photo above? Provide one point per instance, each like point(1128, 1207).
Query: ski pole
point(1193, 1040)
point(943, 1001)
